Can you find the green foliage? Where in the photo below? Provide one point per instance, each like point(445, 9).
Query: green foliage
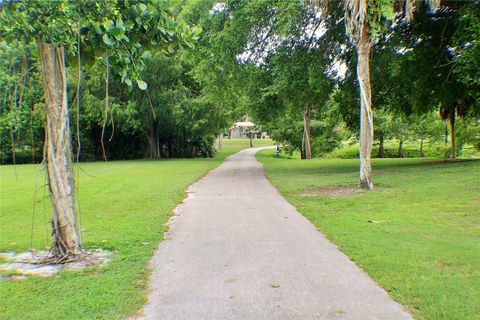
point(129, 39)
point(467, 42)
point(121, 28)
point(260, 58)
point(21, 113)
point(426, 63)
point(411, 149)
point(325, 136)
point(467, 133)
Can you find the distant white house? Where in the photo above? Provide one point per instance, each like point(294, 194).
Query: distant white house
point(240, 129)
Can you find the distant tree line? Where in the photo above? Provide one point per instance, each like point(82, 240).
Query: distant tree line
point(169, 119)
point(286, 63)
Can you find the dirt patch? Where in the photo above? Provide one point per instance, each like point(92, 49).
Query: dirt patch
point(16, 266)
point(332, 191)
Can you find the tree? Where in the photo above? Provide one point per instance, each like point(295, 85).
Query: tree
point(302, 86)
point(356, 15)
point(364, 20)
point(382, 130)
point(262, 57)
point(428, 66)
point(119, 32)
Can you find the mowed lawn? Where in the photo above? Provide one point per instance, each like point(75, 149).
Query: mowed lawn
point(417, 234)
point(124, 207)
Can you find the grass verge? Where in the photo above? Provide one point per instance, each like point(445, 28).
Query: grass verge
point(124, 206)
point(417, 234)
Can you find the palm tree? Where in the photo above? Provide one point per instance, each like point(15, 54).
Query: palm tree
point(358, 29)
point(360, 17)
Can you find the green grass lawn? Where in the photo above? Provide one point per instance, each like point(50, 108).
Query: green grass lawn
point(124, 206)
point(423, 246)
point(411, 149)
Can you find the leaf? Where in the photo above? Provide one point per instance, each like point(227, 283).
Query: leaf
point(119, 21)
point(107, 24)
point(124, 37)
point(107, 40)
point(142, 85)
point(128, 24)
point(142, 7)
point(35, 53)
point(97, 27)
point(128, 82)
point(116, 32)
point(146, 55)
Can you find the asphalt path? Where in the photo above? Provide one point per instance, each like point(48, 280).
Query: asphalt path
point(236, 249)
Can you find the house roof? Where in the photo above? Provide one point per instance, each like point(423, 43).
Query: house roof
point(244, 124)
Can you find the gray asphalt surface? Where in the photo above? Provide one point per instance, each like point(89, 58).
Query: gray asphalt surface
point(237, 249)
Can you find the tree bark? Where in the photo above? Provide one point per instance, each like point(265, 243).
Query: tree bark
point(153, 140)
point(400, 149)
point(381, 148)
point(159, 156)
point(194, 151)
point(169, 149)
point(422, 154)
point(446, 134)
point(220, 141)
point(153, 144)
point(302, 149)
point(452, 131)
point(306, 132)
point(363, 47)
point(66, 238)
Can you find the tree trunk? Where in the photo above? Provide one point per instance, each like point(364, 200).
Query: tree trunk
point(159, 156)
point(66, 238)
point(170, 149)
point(306, 132)
point(422, 154)
point(251, 140)
point(381, 148)
point(363, 47)
point(452, 131)
point(194, 151)
point(153, 145)
point(446, 134)
point(302, 149)
point(400, 149)
point(220, 141)
point(153, 142)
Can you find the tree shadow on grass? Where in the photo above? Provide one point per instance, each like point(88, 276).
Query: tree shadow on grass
point(380, 166)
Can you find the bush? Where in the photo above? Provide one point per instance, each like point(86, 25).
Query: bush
point(440, 151)
point(323, 137)
point(22, 155)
